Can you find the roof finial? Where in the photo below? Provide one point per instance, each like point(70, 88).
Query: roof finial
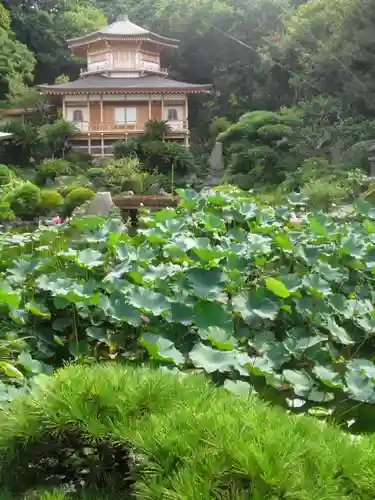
point(122, 17)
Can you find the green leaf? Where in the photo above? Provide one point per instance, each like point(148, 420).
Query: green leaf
point(146, 299)
point(238, 387)
point(222, 339)
point(259, 244)
point(298, 379)
point(38, 309)
point(328, 377)
point(30, 364)
point(97, 333)
point(338, 333)
point(212, 314)
point(317, 226)
point(317, 284)
point(90, 258)
point(181, 313)
point(8, 296)
point(211, 360)
point(120, 311)
point(205, 282)
point(10, 370)
point(320, 397)
point(255, 305)
point(277, 287)
point(161, 348)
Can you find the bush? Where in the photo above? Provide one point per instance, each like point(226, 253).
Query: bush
point(147, 434)
point(6, 212)
point(50, 199)
point(50, 169)
point(24, 200)
point(80, 160)
point(77, 197)
point(125, 148)
point(161, 157)
point(123, 174)
point(67, 183)
point(5, 175)
point(325, 192)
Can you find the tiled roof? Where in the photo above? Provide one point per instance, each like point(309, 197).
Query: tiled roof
point(92, 83)
point(121, 27)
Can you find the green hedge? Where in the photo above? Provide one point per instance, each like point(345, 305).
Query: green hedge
point(146, 434)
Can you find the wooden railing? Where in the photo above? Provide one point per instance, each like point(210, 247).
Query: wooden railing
point(102, 127)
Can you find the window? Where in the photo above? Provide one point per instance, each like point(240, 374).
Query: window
point(77, 115)
point(125, 115)
point(172, 114)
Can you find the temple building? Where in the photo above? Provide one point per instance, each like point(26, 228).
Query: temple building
point(123, 87)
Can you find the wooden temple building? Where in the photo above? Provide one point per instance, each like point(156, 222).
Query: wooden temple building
point(123, 86)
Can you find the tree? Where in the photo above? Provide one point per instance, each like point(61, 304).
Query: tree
point(56, 135)
point(16, 61)
point(333, 43)
point(259, 145)
point(157, 129)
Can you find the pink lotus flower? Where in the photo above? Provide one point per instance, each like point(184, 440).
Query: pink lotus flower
point(57, 219)
point(146, 319)
point(295, 220)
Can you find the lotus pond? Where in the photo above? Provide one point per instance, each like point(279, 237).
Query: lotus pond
point(259, 299)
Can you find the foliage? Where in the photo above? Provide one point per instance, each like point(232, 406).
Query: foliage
point(50, 199)
point(161, 157)
point(324, 193)
point(123, 174)
point(50, 169)
point(259, 144)
point(16, 61)
point(25, 146)
point(24, 200)
point(79, 160)
point(124, 148)
point(330, 55)
point(78, 196)
point(66, 183)
point(218, 125)
point(6, 212)
point(157, 129)
point(57, 134)
point(237, 289)
point(146, 432)
point(5, 175)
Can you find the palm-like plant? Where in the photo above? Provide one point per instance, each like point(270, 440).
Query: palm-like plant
point(157, 129)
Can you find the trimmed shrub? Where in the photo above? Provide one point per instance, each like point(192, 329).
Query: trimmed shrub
point(122, 175)
point(6, 212)
point(50, 198)
point(95, 172)
point(148, 434)
point(78, 197)
point(24, 200)
point(5, 175)
point(80, 160)
point(67, 183)
point(50, 169)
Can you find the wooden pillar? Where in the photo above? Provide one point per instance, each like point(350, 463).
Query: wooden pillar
point(64, 108)
point(88, 113)
point(102, 145)
point(186, 117)
point(162, 106)
point(101, 110)
point(149, 106)
point(89, 144)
